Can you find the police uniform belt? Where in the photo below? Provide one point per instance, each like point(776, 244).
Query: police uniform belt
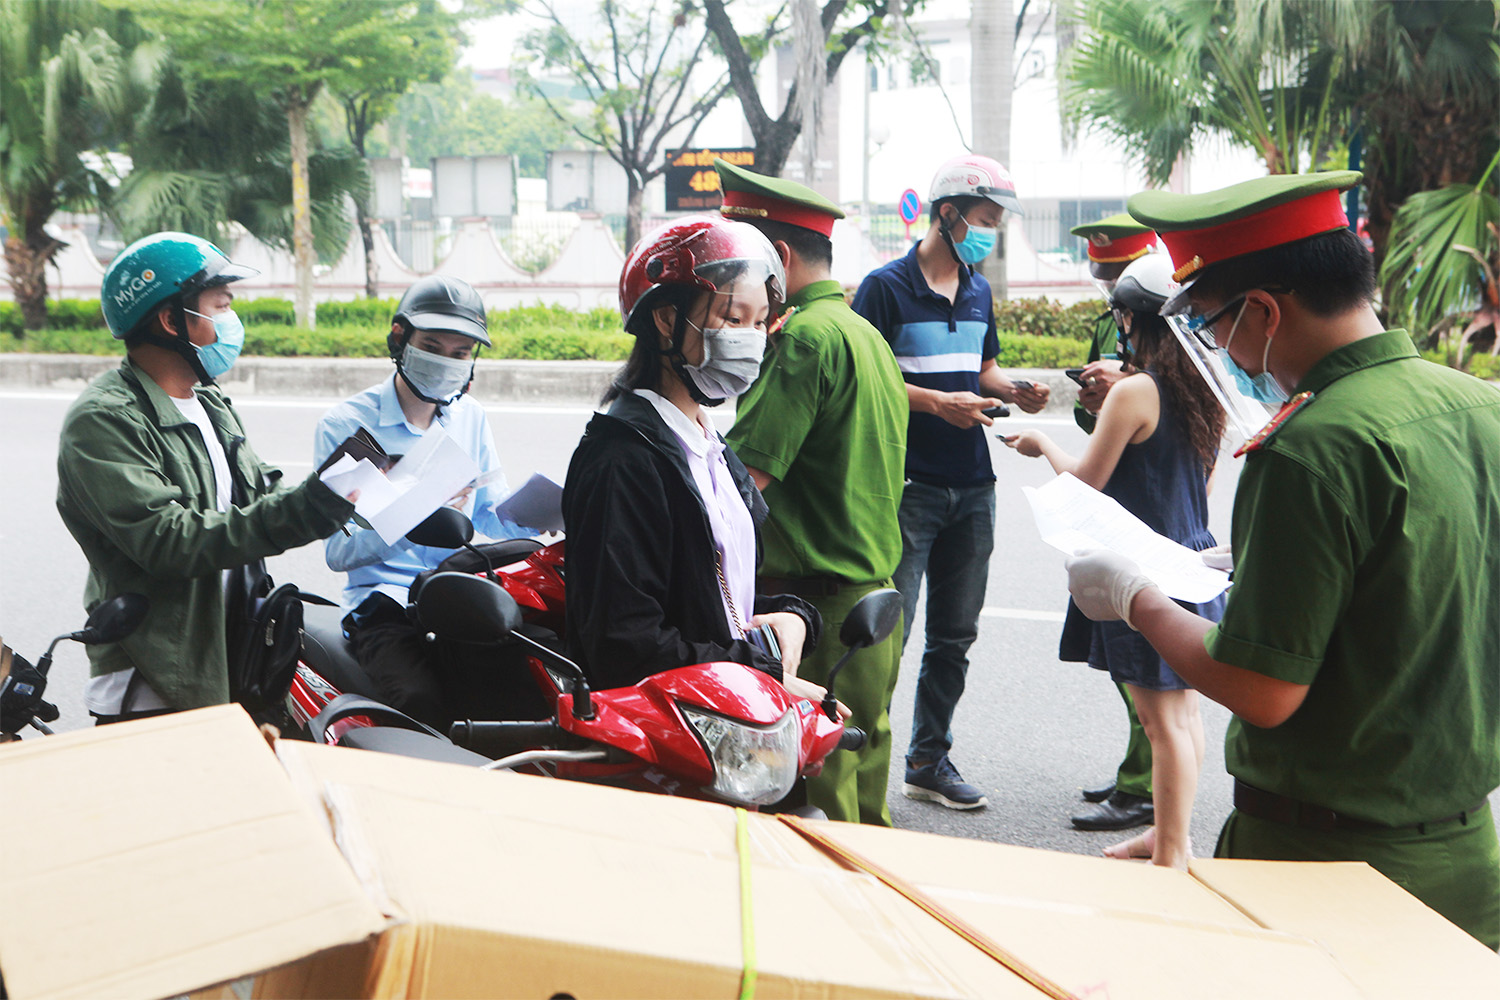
point(806, 586)
point(1275, 808)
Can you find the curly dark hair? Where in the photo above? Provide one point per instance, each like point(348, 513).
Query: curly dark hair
point(1198, 411)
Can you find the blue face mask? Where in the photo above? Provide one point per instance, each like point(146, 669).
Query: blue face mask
point(220, 356)
point(1262, 387)
point(977, 244)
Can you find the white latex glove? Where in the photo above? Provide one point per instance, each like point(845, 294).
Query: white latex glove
point(1218, 557)
point(1103, 584)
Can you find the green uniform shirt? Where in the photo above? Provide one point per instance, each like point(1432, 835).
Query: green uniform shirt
point(827, 420)
point(1367, 565)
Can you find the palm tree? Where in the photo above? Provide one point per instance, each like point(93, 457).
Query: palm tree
point(1442, 259)
point(210, 153)
point(1264, 74)
point(65, 90)
point(1428, 89)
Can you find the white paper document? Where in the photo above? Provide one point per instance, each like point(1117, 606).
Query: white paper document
point(536, 505)
point(1075, 517)
point(426, 478)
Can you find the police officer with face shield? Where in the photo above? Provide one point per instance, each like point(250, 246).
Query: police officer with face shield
point(437, 331)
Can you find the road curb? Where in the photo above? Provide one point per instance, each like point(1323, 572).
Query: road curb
point(556, 383)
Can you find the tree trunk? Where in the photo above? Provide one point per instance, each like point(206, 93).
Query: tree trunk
point(634, 210)
point(26, 263)
point(302, 239)
point(773, 147)
point(992, 43)
point(372, 267)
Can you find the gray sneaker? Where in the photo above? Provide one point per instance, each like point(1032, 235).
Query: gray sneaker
point(939, 781)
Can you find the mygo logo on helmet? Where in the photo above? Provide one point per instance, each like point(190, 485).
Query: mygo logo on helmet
point(132, 288)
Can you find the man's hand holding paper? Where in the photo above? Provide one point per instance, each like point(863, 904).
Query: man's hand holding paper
point(1078, 519)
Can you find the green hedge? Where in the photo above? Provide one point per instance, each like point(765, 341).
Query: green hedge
point(1044, 318)
point(1485, 366)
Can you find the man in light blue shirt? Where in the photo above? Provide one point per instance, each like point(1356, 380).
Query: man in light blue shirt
point(438, 328)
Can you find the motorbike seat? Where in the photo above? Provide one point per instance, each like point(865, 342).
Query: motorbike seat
point(407, 743)
point(326, 651)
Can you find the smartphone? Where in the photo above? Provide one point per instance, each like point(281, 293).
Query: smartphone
point(996, 411)
point(764, 636)
point(1076, 374)
point(1021, 383)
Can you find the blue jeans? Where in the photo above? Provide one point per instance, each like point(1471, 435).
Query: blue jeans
point(947, 535)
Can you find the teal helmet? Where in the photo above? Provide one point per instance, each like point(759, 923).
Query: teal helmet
point(154, 270)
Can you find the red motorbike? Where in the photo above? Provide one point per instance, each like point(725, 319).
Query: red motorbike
point(721, 731)
point(531, 572)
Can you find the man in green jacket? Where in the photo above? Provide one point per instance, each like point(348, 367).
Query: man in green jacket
point(159, 487)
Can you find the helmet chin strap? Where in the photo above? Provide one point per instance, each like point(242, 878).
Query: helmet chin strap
point(679, 362)
point(180, 344)
point(945, 229)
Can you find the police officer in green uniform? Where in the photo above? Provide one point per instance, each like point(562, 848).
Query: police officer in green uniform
point(1113, 242)
point(1360, 649)
point(823, 433)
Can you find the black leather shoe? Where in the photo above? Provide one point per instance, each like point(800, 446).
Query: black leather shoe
point(1120, 811)
point(1098, 794)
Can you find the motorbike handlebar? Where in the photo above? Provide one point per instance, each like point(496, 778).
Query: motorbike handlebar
point(853, 738)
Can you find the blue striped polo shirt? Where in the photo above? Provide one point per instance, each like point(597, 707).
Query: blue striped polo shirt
point(938, 345)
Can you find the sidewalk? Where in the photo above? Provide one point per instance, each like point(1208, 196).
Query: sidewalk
point(553, 383)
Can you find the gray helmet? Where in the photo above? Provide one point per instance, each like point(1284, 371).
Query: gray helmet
point(444, 303)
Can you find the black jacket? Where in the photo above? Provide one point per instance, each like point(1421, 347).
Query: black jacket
point(643, 590)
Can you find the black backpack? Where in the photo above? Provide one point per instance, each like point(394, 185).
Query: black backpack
point(263, 633)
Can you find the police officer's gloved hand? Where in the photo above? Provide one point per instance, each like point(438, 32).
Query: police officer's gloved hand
point(1218, 557)
point(1103, 584)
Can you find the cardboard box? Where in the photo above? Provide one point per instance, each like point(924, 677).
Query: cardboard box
point(178, 853)
point(152, 858)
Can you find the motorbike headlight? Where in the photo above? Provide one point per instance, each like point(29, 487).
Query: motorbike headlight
point(753, 765)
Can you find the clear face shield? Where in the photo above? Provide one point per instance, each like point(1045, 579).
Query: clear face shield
point(1194, 331)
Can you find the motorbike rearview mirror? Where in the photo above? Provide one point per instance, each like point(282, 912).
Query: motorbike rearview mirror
point(467, 608)
point(872, 619)
point(444, 528)
point(114, 619)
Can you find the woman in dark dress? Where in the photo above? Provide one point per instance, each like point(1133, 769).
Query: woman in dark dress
point(1154, 451)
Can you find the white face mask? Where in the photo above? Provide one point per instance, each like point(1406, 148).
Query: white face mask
point(434, 377)
point(731, 360)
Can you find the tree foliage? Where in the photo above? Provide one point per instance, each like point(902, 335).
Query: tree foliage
point(290, 51)
point(844, 23)
point(640, 80)
point(193, 174)
point(454, 118)
point(69, 80)
point(1160, 78)
point(1442, 262)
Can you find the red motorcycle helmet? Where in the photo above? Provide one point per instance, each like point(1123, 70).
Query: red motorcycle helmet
point(701, 251)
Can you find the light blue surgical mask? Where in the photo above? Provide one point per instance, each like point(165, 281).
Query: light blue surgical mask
point(977, 244)
point(1262, 387)
point(229, 337)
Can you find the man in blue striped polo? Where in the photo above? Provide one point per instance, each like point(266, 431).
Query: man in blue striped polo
point(938, 315)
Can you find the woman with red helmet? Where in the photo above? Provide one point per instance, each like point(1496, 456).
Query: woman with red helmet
point(661, 516)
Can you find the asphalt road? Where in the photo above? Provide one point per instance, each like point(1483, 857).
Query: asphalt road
point(1030, 731)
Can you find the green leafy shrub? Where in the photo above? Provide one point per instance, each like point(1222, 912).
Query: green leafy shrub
point(266, 312)
point(1042, 317)
point(1485, 366)
point(1019, 350)
point(57, 341)
point(373, 314)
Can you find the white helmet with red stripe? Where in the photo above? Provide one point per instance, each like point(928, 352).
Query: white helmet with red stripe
point(975, 176)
